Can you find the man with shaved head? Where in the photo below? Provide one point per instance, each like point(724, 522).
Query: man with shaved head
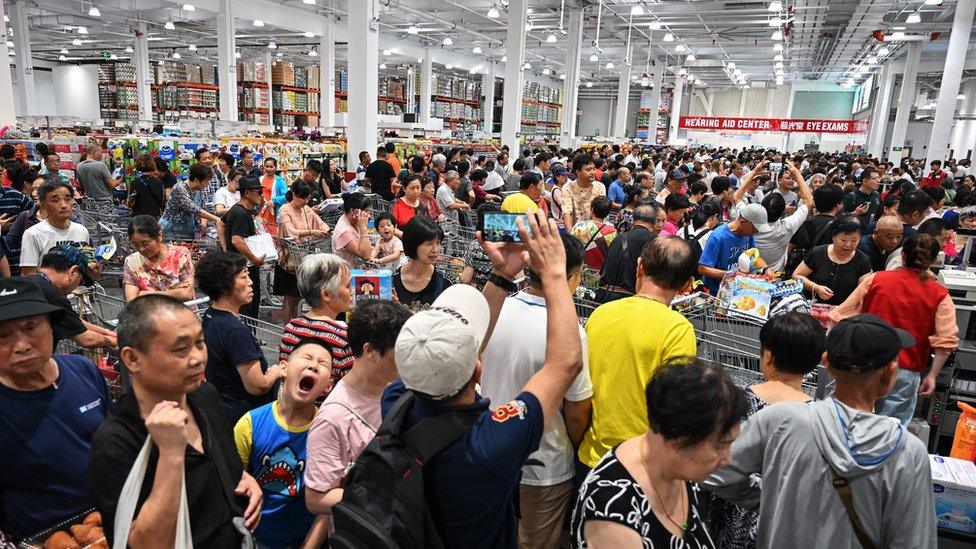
point(617, 193)
point(878, 246)
point(97, 180)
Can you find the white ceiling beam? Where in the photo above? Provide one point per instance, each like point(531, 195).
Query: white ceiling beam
point(272, 13)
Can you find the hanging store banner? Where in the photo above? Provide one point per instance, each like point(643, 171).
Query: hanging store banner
point(719, 123)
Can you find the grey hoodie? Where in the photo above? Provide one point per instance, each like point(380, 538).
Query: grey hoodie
point(886, 467)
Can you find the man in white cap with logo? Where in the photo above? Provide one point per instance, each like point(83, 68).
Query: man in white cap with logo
point(470, 485)
point(728, 241)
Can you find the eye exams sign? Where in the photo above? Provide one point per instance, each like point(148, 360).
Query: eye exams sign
point(718, 123)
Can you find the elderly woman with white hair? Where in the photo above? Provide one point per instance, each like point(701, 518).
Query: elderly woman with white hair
point(324, 284)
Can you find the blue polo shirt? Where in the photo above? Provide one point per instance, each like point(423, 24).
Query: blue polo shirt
point(471, 484)
point(46, 437)
point(617, 193)
point(722, 252)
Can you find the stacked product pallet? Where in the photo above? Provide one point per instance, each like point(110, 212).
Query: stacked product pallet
point(455, 99)
point(644, 116)
point(117, 94)
point(254, 99)
point(541, 109)
point(392, 95)
point(184, 92)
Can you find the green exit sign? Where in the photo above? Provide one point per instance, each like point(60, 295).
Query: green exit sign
point(105, 55)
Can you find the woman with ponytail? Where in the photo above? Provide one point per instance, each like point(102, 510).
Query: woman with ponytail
point(909, 298)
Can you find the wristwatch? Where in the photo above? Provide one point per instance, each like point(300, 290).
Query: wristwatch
point(502, 282)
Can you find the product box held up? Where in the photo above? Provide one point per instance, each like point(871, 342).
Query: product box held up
point(371, 284)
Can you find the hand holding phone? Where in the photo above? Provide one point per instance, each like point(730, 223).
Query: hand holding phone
point(500, 226)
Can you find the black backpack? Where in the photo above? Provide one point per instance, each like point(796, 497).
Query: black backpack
point(694, 241)
point(383, 504)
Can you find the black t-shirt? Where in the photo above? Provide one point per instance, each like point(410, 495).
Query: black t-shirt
point(380, 174)
point(806, 236)
point(877, 258)
point(148, 196)
point(416, 301)
point(210, 476)
point(69, 326)
point(230, 344)
point(169, 180)
point(620, 265)
point(238, 221)
point(841, 278)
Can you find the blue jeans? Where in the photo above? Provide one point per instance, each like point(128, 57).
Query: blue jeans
point(900, 402)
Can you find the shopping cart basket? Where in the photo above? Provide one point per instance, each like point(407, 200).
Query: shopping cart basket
point(197, 247)
point(108, 362)
point(268, 337)
point(450, 267)
point(584, 308)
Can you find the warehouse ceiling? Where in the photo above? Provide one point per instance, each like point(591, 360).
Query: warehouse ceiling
point(731, 42)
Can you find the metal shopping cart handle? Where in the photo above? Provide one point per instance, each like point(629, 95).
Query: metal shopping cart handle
point(197, 301)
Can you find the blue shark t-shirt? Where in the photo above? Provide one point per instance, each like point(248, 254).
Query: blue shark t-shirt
point(722, 251)
point(274, 454)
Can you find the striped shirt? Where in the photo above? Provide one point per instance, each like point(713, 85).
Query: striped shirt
point(331, 332)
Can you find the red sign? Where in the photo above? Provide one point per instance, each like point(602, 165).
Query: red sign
point(719, 123)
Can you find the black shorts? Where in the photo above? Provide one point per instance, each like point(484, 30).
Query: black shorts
point(285, 283)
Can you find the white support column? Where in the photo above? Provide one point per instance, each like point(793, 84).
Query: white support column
point(881, 112)
point(226, 63)
point(488, 90)
point(269, 61)
point(679, 86)
point(327, 72)
point(789, 114)
point(363, 33)
point(742, 102)
point(426, 79)
point(955, 58)
point(8, 117)
point(574, 51)
point(140, 58)
point(411, 91)
point(25, 65)
point(657, 73)
point(623, 97)
point(515, 50)
point(906, 100)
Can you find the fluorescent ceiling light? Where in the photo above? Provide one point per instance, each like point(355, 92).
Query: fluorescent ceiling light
point(476, 50)
point(76, 42)
point(691, 57)
point(493, 12)
point(419, 60)
point(668, 37)
point(176, 55)
point(528, 25)
point(237, 55)
point(113, 57)
point(258, 23)
point(680, 48)
point(731, 65)
point(412, 29)
point(913, 18)
point(933, 2)
point(746, 86)
point(189, 7)
point(448, 41)
point(775, 22)
point(779, 80)
point(961, 96)
point(778, 57)
point(637, 10)
point(884, 51)
point(10, 43)
point(449, 66)
point(193, 47)
point(655, 25)
point(589, 84)
point(527, 65)
point(775, 5)
point(128, 49)
point(313, 53)
point(562, 77)
point(609, 65)
point(279, 54)
point(737, 72)
point(777, 47)
point(382, 65)
point(682, 72)
point(594, 58)
point(778, 65)
point(898, 28)
point(309, 35)
point(272, 45)
point(777, 36)
point(62, 58)
point(387, 52)
point(546, 71)
point(169, 26)
point(504, 59)
point(82, 30)
point(65, 50)
point(308, 2)
point(897, 35)
point(551, 38)
point(872, 60)
point(93, 12)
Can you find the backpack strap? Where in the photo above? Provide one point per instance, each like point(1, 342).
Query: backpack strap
point(393, 422)
point(820, 234)
point(431, 436)
point(844, 492)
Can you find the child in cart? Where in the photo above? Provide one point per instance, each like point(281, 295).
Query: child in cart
point(271, 442)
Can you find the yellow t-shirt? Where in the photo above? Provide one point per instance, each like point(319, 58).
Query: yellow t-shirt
point(628, 340)
point(519, 203)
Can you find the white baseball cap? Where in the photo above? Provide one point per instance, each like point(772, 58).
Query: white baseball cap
point(437, 349)
point(756, 214)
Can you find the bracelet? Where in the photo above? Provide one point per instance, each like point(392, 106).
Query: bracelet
point(502, 282)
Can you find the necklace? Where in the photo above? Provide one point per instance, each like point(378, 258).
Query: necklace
point(681, 495)
point(649, 298)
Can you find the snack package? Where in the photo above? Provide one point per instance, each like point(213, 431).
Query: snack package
point(745, 296)
point(371, 284)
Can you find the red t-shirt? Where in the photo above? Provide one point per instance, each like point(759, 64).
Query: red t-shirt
point(402, 213)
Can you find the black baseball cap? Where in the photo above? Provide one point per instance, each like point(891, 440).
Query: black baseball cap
point(677, 174)
point(249, 182)
point(864, 343)
point(21, 296)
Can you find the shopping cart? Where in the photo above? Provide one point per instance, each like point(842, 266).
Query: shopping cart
point(457, 237)
point(584, 308)
point(733, 342)
point(450, 267)
point(296, 249)
point(268, 337)
point(108, 362)
point(197, 247)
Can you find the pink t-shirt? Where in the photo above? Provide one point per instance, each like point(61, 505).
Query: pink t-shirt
point(345, 423)
point(344, 234)
point(670, 229)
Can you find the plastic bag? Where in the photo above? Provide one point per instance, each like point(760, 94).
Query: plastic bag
point(129, 498)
